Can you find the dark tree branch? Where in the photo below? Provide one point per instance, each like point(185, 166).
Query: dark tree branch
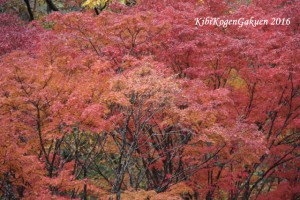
point(29, 10)
point(51, 5)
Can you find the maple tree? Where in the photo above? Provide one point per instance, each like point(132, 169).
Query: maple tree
point(138, 102)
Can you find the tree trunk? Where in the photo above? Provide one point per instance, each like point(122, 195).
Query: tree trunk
point(84, 186)
point(51, 5)
point(29, 10)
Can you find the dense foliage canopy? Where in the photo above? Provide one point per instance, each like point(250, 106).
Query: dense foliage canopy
point(135, 100)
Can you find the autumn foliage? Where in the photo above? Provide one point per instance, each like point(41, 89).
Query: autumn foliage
point(131, 100)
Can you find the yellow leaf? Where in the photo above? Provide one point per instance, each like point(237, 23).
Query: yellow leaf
point(94, 3)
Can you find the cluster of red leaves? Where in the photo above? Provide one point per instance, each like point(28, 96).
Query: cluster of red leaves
point(15, 35)
point(215, 107)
